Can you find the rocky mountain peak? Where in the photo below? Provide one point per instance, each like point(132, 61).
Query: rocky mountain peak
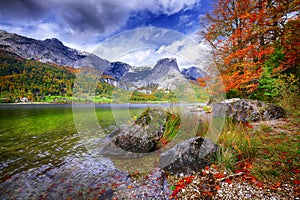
point(193, 73)
point(53, 42)
point(117, 69)
point(49, 50)
point(167, 63)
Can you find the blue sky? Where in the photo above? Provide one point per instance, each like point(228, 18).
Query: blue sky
point(85, 24)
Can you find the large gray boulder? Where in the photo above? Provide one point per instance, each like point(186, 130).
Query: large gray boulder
point(188, 156)
point(141, 136)
point(246, 110)
point(144, 134)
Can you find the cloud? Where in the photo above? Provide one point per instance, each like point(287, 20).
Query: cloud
point(144, 46)
point(174, 6)
point(77, 21)
point(21, 10)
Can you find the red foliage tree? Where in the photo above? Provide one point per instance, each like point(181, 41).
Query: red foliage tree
point(244, 33)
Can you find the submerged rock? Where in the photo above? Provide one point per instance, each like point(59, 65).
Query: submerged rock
point(246, 110)
point(189, 155)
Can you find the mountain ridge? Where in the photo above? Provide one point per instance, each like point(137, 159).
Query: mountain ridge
point(54, 51)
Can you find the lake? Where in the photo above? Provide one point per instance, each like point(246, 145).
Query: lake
point(43, 152)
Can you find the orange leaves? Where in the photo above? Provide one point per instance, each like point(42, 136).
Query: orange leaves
point(296, 182)
point(202, 81)
point(228, 181)
point(219, 175)
point(239, 80)
point(181, 184)
point(249, 33)
point(129, 187)
point(217, 187)
point(296, 170)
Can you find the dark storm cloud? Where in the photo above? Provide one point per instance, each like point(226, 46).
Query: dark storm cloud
point(79, 22)
point(12, 10)
point(86, 16)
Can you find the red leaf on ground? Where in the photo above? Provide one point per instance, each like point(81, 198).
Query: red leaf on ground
point(129, 187)
point(217, 187)
point(296, 170)
point(208, 193)
point(253, 180)
point(228, 181)
point(274, 188)
point(219, 175)
point(259, 184)
point(247, 124)
point(187, 181)
point(102, 192)
point(266, 151)
point(296, 182)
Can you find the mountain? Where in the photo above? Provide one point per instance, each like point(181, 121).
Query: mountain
point(49, 50)
point(54, 51)
point(165, 74)
point(45, 70)
point(117, 69)
point(193, 73)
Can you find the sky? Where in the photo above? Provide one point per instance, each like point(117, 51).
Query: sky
point(87, 25)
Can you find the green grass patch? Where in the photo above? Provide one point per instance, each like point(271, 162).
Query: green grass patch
point(274, 155)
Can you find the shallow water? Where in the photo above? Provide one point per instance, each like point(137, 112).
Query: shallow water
point(43, 156)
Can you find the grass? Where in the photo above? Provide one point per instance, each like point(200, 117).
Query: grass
point(274, 155)
point(172, 125)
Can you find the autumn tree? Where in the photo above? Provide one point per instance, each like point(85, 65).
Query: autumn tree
point(244, 33)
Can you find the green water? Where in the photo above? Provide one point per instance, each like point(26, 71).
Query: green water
point(45, 135)
point(50, 151)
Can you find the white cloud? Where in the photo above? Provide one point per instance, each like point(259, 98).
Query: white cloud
point(144, 46)
point(173, 6)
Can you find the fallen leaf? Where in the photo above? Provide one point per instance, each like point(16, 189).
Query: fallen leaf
point(228, 181)
point(296, 182)
point(253, 180)
point(219, 175)
point(259, 184)
point(274, 188)
point(207, 193)
point(129, 187)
